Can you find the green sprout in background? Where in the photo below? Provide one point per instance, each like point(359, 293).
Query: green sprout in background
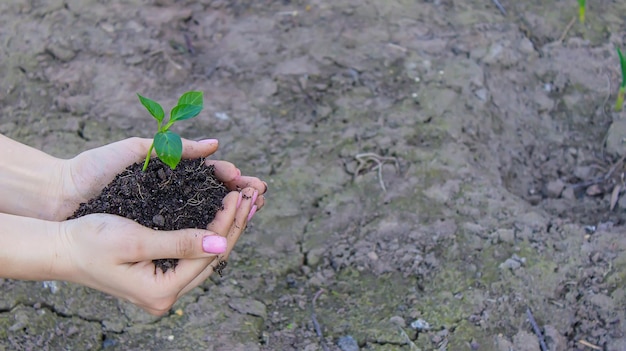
point(582, 4)
point(167, 144)
point(622, 88)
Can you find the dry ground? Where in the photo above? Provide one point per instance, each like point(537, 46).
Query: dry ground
point(427, 160)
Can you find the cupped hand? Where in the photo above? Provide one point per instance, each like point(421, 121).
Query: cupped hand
point(84, 176)
point(114, 254)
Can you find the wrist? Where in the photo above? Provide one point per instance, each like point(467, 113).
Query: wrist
point(30, 249)
point(31, 181)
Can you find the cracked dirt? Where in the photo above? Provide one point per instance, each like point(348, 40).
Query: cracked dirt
point(493, 120)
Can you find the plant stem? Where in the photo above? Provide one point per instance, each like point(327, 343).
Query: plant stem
point(581, 11)
point(620, 99)
point(145, 164)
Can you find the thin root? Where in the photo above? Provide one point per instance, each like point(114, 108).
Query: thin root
point(567, 28)
point(588, 344)
point(364, 159)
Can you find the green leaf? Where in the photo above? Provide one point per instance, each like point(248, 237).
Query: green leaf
point(153, 107)
point(168, 147)
point(622, 63)
point(191, 98)
point(182, 112)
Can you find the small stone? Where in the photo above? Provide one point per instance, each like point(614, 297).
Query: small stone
point(481, 94)
point(534, 199)
point(615, 138)
point(397, 320)
point(420, 325)
point(506, 235)
point(594, 190)
point(583, 172)
point(511, 264)
point(372, 255)
point(158, 220)
point(248, 306)
point(568, 193)
point(347, 343)
point(555, 188)
point(60, 52)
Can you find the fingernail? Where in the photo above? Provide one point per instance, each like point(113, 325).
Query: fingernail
point(254, 196)
point(252, 212)
point(208, 141)
point(264, 191)
point(214, 244)
point(239, 200)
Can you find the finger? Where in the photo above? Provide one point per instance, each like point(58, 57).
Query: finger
point(197, 149)
point(225, 217)
point(181, 244)
point(235, 230)
point(249, 197)
point(260, 202)
point(231, 176)
point(189, 270)
point(132, 150)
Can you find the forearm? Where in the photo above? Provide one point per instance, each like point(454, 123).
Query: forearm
point(29, 249)
point(26, 180)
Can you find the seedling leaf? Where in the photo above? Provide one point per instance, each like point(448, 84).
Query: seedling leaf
point(191, 98)
point(168, 147)
point(582, 5)
point(622, 63)
point(153, 107)
point(182, 112)
point(619, 102)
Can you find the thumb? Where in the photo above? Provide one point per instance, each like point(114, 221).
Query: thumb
point(134, 149)
point(181, 244)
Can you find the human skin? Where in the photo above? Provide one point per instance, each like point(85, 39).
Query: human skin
point(106, 252)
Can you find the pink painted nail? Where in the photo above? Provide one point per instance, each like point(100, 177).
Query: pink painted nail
point(214, 244)
point(208, 141)
point(254, 196)
point(252, 212)
point(239, 200)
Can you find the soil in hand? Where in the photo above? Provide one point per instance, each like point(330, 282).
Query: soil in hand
point(161, 198)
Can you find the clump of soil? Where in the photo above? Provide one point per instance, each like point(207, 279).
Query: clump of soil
point(161, 198)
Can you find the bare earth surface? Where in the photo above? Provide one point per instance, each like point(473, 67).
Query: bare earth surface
point(427, 160)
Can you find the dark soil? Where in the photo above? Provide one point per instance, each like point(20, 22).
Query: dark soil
point(161, 198)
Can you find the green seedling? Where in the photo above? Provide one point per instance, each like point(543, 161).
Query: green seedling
point(582, 6)
point(167, 144)
point(622, 88)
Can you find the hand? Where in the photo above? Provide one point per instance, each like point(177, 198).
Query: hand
point(84, 176)
point(114, 254)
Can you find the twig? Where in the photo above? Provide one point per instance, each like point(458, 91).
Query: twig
point(190, 48)
point(316, 325)
point(567, 28)
point(364, 158)
point(536, 329)
point(500, 7)
point(588, 344)
point(602, 178)
point(167, 57)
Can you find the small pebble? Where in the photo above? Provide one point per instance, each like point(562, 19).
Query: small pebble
point(555, 188)
point(420, 325)
point(347, 343)
point(158, 220)
point(397, 320)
